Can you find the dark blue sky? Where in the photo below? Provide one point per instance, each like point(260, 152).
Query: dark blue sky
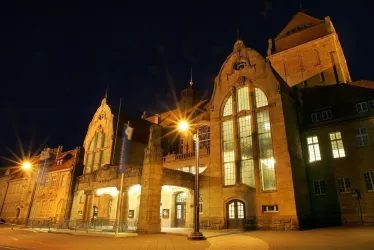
point(57, 61)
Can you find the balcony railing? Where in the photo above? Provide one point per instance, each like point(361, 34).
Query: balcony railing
point(180, 157)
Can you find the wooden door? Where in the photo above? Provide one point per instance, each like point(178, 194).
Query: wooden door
point(235, 214)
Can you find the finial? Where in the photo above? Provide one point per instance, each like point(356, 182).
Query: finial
point(191, 82)
point(106, 92)
point(237, 31)
point(301, 6)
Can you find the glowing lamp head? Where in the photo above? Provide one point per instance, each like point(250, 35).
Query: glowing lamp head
point(26, 165)
point(183, 126)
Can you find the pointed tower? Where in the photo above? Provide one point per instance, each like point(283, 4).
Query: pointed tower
point(307, 52)
point(190, 96)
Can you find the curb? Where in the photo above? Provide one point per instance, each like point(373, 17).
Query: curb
point(96, 234)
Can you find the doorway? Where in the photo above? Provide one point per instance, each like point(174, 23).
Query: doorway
point(235, 214)
point(180, 209)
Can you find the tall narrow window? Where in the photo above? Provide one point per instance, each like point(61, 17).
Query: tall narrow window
point(319, 187)
point(337, 145)
point(97, 152)
point(246, 151)
point(242, 99)
point(228, 152)
point(227, 110)
point(344, 185)
point(369, 181)
point(362, 138)
point(260, 98)
point(266, 151)
point(313, 149)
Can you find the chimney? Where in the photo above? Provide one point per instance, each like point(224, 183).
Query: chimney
point(59, 150)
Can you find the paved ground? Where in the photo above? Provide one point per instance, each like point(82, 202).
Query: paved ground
point(329, 238)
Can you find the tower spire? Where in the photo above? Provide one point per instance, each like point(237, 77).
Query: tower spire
point(301, 6)
point(237, 31)
point(106, 92)
point(191, 82)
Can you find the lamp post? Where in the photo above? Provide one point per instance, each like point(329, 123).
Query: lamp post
point(27, 166)
point(196, 235)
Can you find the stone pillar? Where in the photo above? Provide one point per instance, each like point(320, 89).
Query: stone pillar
point(150, 198)
point(88, 205)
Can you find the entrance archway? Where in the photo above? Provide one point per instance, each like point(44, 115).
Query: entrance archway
point(235, 210)
point(180, 209)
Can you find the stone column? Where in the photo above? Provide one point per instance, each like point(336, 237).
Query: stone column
point(150, 198)
point(88, 205)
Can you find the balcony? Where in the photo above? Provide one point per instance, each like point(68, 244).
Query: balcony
point(187, 156)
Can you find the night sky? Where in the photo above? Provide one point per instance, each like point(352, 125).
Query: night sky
point(56, 61)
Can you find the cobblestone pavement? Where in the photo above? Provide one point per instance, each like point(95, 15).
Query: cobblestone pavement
point(328, 238)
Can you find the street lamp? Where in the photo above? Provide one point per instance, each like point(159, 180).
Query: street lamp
point(196, 235)
point(26, 165)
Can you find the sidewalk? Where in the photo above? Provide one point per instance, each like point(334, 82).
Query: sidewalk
point(84, 233)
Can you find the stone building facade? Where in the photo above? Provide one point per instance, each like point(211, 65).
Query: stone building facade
point(307, 52)
point(283, 142)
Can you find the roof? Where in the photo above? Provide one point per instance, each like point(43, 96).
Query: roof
point(67, 163)
point(336, 94)
point(302, 29)
point(299, 20)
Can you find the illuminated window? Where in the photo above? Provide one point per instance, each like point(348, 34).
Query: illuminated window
point(267, 169)
point(260, 98)
point(361, 107)
point(54, 180)
point(97, 152)
point(369, 181)
point(326, 115)
point(240, 210)
point(337, 145)
point(246, 151)
point(63, 180)
point(181, 197)
point(227, 110)
point(362, 138)
point(344, 185)
point(232, 210)
point(313, 149)
point(228, 152)
point(47, 181)
point(319, 187)
point(243, 99)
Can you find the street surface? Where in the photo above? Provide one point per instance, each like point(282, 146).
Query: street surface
point(327, 238)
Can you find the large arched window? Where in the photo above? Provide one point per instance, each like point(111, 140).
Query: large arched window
point(238, 114)
point(97, 152)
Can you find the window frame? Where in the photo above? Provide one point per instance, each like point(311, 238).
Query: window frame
point(361, 105)
point(371, 179)
point(314, 149)
point(316, 117)
point(371, 105)
point(336, 141)
point(343, 181)
point(235, 114)
point(319, 186)
point(361, 136)
point(328, 114)
point(266, 210)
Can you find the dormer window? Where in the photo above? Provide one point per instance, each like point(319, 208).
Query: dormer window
point(371, 104)
point(326, 115)
point(316, 117)
point(59, 162)
point(361, 107)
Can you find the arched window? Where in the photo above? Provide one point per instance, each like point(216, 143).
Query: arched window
point(227, 109)
point(97, 152)
point(242, 149)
